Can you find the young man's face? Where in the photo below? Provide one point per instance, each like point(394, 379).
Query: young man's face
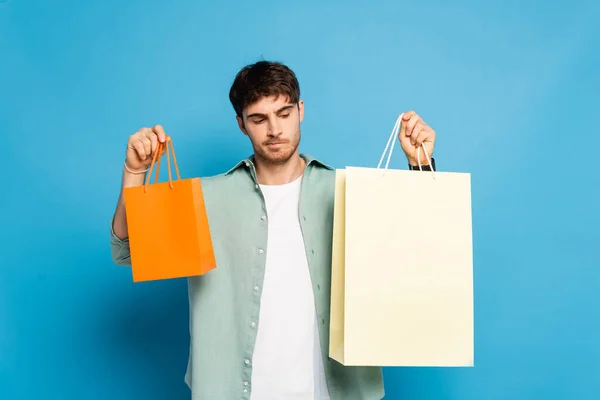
point(273, 126)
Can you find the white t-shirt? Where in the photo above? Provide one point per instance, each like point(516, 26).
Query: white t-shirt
point(287, 360)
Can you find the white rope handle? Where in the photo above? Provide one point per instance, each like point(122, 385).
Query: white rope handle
point(396, 127)
point(391, 140)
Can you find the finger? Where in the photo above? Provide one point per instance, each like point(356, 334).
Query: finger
point(417, 134)
point(407, 115)
point(132, 139)
point(402, 133)
point(430, 137)
point(418, 126)
point(154, 143)
point(147, 145)
point(411, 124)
point(148, 133)
point(160, 132)
point(424, 135)
point(139, 148)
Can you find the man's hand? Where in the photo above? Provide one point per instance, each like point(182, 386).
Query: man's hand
point(142, 145)
point(414, 133)
point(141, 148)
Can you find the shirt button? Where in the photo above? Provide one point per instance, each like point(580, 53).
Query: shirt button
point(247, 164)
point(245, 383)
point(263, 217)
point(256, 288)
point(261, 251)
point(255, 186)
point(253, 324)
point(247, 362)
point(245, 390)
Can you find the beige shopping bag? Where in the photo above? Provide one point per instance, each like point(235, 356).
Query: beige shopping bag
point(402, 278)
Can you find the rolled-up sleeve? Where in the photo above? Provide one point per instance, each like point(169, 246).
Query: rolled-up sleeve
point(119, 248)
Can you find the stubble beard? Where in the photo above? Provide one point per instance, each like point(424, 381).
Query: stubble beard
point(281, 156)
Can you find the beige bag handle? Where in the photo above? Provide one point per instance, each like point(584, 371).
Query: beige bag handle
point(391, 140)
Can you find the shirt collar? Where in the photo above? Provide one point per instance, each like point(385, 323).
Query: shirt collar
point(309, 161)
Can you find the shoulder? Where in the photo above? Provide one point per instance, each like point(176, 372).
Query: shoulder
point(318, 166)
point(320, 177)
point(236, 179)
point(220, 183)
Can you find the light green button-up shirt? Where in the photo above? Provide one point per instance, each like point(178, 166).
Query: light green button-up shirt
point(225, 301)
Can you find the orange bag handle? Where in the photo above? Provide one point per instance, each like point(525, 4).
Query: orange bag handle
point(154, 159)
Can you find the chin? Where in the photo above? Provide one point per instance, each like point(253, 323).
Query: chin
point(277, 157)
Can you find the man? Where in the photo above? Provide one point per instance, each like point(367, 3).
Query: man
point(259, 322)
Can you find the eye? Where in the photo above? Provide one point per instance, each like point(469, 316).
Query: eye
point(285, 115)
point(259, 121)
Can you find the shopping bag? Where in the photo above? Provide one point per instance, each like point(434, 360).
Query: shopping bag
point(402, 267)
point(169, 234)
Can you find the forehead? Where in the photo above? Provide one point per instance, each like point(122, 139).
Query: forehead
point(268, 105)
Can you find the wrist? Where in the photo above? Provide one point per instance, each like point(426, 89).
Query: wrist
point(134, 171)
point(414, 165)
point(132, 177)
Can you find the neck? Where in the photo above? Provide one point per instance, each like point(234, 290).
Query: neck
point(279, 174)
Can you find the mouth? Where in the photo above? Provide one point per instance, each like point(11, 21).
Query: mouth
point(271, 144)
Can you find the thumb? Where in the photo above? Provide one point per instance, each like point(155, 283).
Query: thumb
point(402, 134)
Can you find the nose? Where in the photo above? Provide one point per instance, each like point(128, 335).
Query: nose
point(274, 127)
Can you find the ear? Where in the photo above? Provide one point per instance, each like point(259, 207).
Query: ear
point(241, 125)
point(301, 110)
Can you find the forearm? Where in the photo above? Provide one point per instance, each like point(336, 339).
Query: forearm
point(120, 218)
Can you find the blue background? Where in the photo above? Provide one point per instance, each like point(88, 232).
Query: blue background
point(512, 90)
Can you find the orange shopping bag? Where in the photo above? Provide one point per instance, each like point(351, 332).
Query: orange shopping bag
point(169, 235)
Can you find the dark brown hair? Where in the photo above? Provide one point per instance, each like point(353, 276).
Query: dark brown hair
point(263, 79)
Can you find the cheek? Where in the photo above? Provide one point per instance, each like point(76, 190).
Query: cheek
point(290, 125)
point(256, 133)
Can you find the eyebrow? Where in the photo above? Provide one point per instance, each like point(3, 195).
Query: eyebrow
point(285, 108)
